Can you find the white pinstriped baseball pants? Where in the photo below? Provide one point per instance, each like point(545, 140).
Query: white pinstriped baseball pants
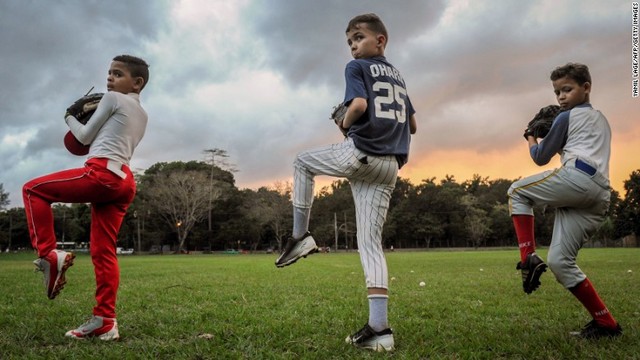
point(372, 179)
point(581, 202)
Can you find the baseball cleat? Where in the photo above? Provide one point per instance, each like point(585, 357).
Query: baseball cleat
point(101, 327)
point(296, 249)
point(532, 269)
point(594, 331)
point(367, 338)
point(54, 266)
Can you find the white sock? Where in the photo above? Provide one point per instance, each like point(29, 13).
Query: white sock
point(378, 312)
point(300, 222)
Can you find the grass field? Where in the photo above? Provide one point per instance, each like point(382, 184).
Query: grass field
point(472, 307)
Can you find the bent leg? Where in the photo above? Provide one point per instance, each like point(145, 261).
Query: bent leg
point(68, 186)
point(336, 160)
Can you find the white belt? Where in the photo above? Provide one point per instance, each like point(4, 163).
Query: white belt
point(116, 168)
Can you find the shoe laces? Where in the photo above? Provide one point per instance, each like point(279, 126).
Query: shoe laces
point(362, 334)
point(524, 270)
point(38, 266)
point(590, 327)
point(89, 322)
point(291, 243)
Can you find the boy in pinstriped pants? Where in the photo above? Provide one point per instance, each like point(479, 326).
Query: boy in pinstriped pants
point(378, 123)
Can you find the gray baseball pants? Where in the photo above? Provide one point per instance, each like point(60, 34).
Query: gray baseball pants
point(581, 201)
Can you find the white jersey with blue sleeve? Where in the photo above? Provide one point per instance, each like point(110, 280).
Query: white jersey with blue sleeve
point(580, 133)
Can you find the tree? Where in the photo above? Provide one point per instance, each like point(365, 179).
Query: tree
point(16, 236)
point(477, 222)
point(333, 215)
point(417, 221)
point(4, 197)
point(502, 231)
point(4, 201)
point(216, 158)
point(181, 199)
point(199, 190)
point(450, 211)
point(279, 211)
point(628, 212)
point(269, 208)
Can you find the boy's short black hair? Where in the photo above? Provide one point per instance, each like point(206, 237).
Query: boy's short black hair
point(575, 71)
point(373, 21)
point(137, 67)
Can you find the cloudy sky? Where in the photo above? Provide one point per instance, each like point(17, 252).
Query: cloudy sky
point(258, 78)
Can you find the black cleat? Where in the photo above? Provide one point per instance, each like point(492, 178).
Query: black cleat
point(594, 331)
point(296, 249)
point(367, 338)
point(532, 269)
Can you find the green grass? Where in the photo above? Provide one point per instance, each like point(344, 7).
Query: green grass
point(255, 311)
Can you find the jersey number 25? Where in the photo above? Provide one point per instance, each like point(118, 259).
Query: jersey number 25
point(394, 93)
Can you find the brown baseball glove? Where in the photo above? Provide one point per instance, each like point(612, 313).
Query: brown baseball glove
point(539, 126)
point(337, 115)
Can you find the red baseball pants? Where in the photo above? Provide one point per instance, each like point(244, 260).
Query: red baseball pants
point(109, 194)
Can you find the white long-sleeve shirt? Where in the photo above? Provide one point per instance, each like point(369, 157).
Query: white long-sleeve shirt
point(115, 128)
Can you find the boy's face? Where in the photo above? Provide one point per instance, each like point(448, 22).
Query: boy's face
point(364, 43)
point(569, 94)
point(120, 79)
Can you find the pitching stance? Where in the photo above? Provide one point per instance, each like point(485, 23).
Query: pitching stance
point(578, 190)
point(107, 128)
point(377, 119)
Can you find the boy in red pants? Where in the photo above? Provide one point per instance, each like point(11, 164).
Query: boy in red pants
point(105, 181)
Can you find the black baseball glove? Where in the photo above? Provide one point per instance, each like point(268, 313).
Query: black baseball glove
point(83, 108)
point(539, 126)
point(337, 115)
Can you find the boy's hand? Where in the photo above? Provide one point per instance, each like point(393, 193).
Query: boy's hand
point(83, 108)
point(337, 115)
point(539, 126)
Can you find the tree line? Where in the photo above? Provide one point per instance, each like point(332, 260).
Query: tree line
point(196, 206)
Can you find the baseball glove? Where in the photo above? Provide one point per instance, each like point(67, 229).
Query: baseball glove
point(337, 115)
point(83, 108)
point(539, 126)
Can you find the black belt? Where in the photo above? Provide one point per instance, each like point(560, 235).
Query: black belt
point(588, 169)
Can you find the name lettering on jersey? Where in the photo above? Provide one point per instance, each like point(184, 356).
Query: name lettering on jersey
point(385, 70)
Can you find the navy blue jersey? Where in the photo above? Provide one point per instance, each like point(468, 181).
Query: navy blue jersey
point(384, 128)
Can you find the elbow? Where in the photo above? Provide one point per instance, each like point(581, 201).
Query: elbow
point(83, 139)
point(539, 161)
point(358, 106)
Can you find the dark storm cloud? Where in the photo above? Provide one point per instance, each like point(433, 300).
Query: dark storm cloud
point(307, 43)
point(53, 52)
point(44, 43)
point(258, 78)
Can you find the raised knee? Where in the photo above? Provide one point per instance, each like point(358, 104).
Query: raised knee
point(555, 265)
point(565, 271)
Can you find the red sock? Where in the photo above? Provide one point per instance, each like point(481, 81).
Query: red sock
point(524, 231)
point(586, 293)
